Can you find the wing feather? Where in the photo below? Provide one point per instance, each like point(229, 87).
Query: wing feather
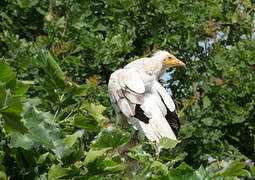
point(164, 95)
point(126, 89)
point(130, 79)
point(144, 101)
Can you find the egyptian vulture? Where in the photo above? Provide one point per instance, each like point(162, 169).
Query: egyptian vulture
point(139, 99)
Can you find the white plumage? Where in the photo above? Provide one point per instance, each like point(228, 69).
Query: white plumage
point(139, 98)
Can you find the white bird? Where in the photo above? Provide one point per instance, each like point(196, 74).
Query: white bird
point(139, 99)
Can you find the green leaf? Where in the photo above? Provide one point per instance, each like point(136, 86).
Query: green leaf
point(57, 172)
point(27, 3)
point(71, 139)
point(24, 141)
point(143, 171)
point(113, 167)
point(50, 66)
point(253, 171)
point(235, 168)
point(202, 174)
point(42, 158)
point(93, 155)
point(6, 75)
point(95, 111)
point(166, 143)
point(40, 125)
point(139, 154)
point(11, 109)
point(41, 130)
point(207, 121)
point(10, 99)
point(3, 176)
point(86, 122)
point(182, 172)
point(111, 137)
point(92, 120)
point(159, 166)
point(71, 91)
point(206, 102)
point(97, 162)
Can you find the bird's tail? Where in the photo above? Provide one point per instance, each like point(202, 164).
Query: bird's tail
point(157, 126)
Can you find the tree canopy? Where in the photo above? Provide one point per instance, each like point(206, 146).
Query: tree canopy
point(55, 61)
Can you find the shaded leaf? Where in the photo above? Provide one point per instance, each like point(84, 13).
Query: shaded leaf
point(111, 137)
point(86, 122)
point(21, 140)
point(182, 172)
point(50, 66)
point(42, 130)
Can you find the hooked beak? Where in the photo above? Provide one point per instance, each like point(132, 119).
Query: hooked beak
point(177, 62)
point(173, 62)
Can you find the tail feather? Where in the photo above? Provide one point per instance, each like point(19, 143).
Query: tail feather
point(156, 126)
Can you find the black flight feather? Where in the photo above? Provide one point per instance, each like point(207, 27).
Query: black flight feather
point(172, 120)
point(139, 114)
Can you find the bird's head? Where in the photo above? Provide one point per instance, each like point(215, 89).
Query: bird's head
point(171, 61)
point(167, 59)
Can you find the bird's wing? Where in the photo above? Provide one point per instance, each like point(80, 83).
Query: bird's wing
point(156, 116)
point(143, 101)
point(126, 89)
point(150, 118)
point(164, 95)
point(171, 115)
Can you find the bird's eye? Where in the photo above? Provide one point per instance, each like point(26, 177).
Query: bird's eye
point(169, 57)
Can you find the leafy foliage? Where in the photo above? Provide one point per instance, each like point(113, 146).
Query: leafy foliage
point(56, 58)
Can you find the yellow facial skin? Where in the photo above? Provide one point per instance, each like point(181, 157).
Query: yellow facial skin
point(172, 61)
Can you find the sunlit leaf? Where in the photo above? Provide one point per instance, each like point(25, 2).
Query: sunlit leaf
point(202, 174)
point(115, 168)
point(95, 111)
point(206, 102)
point(139, 154)
point(71, 139)
point(6, 74)
point(236, 168)
point(166, 143)
point(92, 155)
point(43, 157)
point(3, 176)
point(11, 92)
point(66, 51)
point(57, 172)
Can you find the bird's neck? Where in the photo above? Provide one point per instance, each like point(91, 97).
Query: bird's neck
point(150, 66)
point(157, 69)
